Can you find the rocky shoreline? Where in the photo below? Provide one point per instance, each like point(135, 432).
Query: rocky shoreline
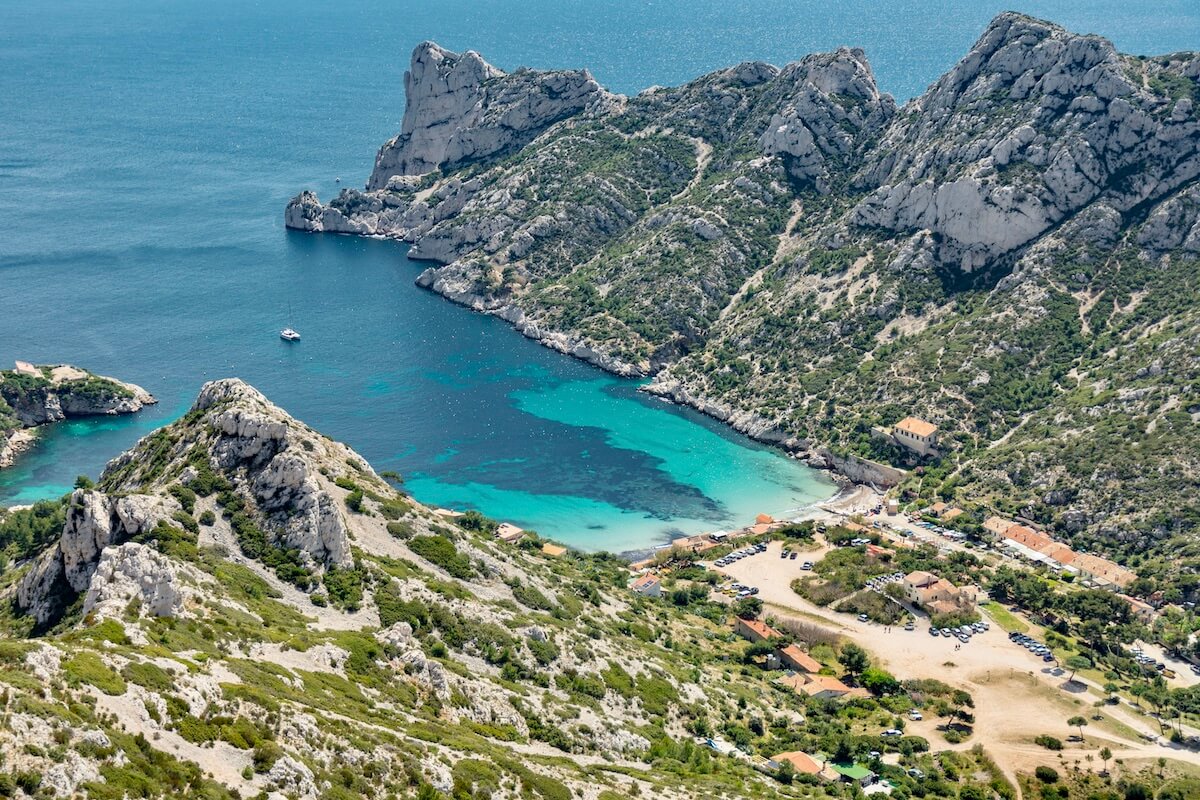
point(851, 469)
point(35, 395)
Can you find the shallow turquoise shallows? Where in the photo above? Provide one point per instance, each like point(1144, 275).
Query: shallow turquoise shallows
point(147, 150)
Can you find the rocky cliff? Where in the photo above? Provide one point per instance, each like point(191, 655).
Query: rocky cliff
point(459, 109)
point(1011, 255)
point(33, 395)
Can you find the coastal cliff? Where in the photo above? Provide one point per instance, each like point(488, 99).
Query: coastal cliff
point(1011, 255)
point(32, 395)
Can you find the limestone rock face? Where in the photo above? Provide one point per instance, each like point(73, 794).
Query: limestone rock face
point(273, 460)
point(94, 522)
point(459, 108)
point(834, 110)
point(134, 572)
point(293, 777)
point(1034, 124)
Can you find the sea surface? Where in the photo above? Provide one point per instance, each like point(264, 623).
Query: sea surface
point(147, 149)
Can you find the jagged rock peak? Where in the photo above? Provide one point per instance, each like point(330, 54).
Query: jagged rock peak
point(834, 109)
point(459, 108)
point(1032, 126)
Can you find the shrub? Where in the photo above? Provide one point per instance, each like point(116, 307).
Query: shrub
point(185, 496)
point(149, 675)
point(207, 517)
point(345, 587)
point(1048, 742)
point(1046, 774)
point(87, 668)
point(401, 530)
point(266, 753)
point(439, 550)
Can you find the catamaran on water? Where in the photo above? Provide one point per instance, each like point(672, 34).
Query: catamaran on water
point(289, 334)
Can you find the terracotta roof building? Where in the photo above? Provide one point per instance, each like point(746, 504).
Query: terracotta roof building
point(801, 762)
point(997, 525)
point(648, 585)
point(917, 435)
point(1059, 552)
point(937, 595)
point(1103, 571)
point(1028, 537)
point(794, 658)
point(825, 686)
point(755, 630)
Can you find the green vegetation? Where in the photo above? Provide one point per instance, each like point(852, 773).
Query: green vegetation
point(439, 550)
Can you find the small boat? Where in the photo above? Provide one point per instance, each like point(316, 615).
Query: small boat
point(289, 334)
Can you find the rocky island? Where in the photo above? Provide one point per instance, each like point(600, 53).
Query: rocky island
point(32, 395)
point(1011, 256)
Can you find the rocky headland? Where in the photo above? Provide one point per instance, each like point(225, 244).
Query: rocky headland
point(34, 395)
point(1011, 255)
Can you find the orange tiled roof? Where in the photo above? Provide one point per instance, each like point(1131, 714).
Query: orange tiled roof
point(800, 659)
point(917, 427)
point(761, 628)
point(646, 580)
point(800, 761)
point(824, 683)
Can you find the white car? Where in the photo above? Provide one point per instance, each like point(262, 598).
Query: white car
point(915, 715)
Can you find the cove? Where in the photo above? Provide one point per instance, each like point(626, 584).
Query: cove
point(143, 178)
point(472, 413)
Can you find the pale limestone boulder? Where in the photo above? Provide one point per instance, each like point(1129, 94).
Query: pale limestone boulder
point(134, 572)
point(64, 778)
point(292, 777)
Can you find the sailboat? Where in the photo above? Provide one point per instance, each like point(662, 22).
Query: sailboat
point(289, 333)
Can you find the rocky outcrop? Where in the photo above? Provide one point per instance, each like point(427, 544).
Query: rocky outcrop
point(38, 395)
point(95, 521)
point(282, 467)
point(861, 470)
point(783, 249)
point(33, 395)
point(460, 109)
point(1034, 124)
point(134, 573)
point(834, 112)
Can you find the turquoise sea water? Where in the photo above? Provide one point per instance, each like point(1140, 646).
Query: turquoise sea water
point(147, 150)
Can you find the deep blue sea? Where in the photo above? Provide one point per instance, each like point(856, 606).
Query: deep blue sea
point(147, 149)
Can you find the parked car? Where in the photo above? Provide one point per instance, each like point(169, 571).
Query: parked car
point(915, 715)
point(908, 626)
point(891, 732)
point(863, 618)
point(793, 557)
point(806, 565)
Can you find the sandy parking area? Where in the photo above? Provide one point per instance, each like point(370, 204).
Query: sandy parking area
point(1017, 695)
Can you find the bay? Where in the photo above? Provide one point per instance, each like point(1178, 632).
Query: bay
point(147, 152)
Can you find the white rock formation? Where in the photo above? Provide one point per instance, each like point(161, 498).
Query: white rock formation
point(94, 522)
point(459, 108)
point(1034, 124)
point(64, 778)
point(292, 777)
point(835, 108)
point(134, 572)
